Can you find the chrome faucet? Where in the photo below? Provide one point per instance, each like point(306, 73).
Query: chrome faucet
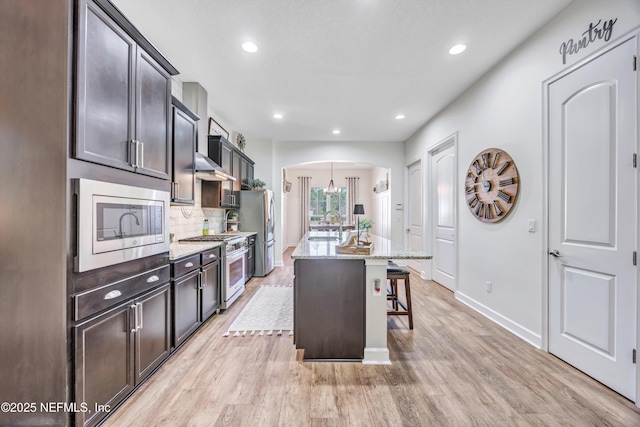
point(121, 234)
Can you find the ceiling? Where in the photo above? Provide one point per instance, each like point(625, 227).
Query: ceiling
point(351, 65)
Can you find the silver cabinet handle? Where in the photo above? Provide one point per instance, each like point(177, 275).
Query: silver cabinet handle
point(135, 318)
point(152, 279)
point(555, 253)
point(112, 294)
point(140, 326)
point(211, 256)
point(189, 264)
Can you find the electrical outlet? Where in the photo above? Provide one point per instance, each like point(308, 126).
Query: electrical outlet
point(489, 287)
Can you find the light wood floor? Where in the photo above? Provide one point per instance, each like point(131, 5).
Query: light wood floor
point(456, 368)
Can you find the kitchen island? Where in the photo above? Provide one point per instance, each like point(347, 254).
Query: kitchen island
point(340, 300)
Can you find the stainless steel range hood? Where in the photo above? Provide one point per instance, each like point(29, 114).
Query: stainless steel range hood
point(208, 170)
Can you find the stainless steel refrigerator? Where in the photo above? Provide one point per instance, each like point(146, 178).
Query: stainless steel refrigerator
point(257, 214)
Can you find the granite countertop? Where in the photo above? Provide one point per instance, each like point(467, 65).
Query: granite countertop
point(179, 250)
point(322, 245)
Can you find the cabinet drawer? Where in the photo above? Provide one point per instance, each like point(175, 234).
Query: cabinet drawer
point(95, 300)
point(210, 256)
point(185, 265)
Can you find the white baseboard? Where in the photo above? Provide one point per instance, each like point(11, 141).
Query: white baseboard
point(511, 326)
point(376, 356)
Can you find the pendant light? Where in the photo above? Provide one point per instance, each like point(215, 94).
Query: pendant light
point(331, 189)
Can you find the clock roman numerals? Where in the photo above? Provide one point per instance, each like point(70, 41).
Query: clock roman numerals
point(495, 160)
point(476, 164)
point(509, 181)
point(485, 160)
point(503, 167)
point(479, 208)
point(491, 185)
point(504, 196)
point(496, 207)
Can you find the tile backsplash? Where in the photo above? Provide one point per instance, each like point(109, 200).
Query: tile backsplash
point(186, 221)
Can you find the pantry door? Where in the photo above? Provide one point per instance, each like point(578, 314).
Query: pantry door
point(592, 122)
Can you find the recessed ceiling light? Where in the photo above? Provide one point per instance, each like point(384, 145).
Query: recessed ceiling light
point(400, 117)
point(250, 47)
point(459, 48)
point(336, 131)
point(277, 116)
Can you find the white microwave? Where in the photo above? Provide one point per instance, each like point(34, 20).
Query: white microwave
point(119, 223)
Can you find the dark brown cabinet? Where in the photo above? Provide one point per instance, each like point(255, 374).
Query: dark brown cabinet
point(210, 283)
point(117, 350)
point(225, 194)
point(329, 308)
point(196, 292)
point(186, 298)
point(183, 162)
point(123, 105)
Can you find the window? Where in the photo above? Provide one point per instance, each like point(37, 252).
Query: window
point(320, 204)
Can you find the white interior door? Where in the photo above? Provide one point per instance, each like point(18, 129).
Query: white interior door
point(593, 219)
point(443, 167)
point(414, 210)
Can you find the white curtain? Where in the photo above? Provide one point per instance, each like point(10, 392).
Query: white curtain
point(352, 196)
point(305, 194)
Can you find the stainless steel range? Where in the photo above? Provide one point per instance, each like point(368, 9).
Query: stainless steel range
point(233, 256)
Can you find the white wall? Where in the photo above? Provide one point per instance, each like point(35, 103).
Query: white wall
point(504, 109)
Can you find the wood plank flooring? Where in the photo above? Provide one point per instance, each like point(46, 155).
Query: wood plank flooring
point(456, 368)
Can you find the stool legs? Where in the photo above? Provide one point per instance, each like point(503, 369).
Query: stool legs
point(392, 296)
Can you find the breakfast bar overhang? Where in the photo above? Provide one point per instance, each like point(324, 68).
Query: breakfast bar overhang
point(340, 300)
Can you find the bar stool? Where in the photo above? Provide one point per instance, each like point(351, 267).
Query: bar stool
point(395, 273)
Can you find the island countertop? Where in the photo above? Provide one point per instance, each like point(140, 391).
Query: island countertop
point(322, 245)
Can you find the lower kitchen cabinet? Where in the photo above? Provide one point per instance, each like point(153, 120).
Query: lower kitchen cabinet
point(210, 283)
point(196, 292)
point(186, 302)
point(118, 349)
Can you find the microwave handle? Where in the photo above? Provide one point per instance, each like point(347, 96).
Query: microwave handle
point(140, 156)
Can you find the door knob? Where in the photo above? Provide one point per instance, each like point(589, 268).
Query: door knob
point(555, 253)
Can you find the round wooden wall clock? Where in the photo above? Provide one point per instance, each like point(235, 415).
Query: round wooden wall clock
point(491, 186)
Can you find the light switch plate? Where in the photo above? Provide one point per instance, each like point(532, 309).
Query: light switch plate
point(532, 226)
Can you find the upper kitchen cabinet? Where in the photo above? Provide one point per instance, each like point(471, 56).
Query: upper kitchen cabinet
point(123, 94)
point(184, 145)
point(225, 194)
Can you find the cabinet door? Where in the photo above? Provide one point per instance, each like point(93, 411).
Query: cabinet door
point(227, 188)
point(184, 146)
point(104, 361)
point(244, 173)
point(210, 289)
point(225, 157)
point(153, 112)
point(237, 173)
point(186, 306)
point(104, 90)
point(153, 335)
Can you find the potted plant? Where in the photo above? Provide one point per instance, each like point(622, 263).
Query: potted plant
point(256, 184)
point(365, 225)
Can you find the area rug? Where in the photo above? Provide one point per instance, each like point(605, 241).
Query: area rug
point(269, 312)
